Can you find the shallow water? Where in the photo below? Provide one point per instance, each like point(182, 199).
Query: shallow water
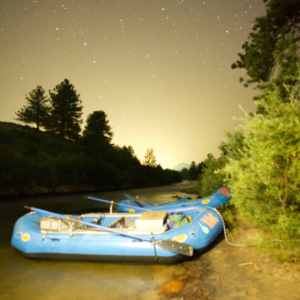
point(22, 278)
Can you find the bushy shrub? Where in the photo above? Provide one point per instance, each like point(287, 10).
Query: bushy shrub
point(265, 179)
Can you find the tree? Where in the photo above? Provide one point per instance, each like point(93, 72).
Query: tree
point(184, 173)
point(37, 110)
point(193, 171)
point(131, 151)
point(273, 44)
point(66, 110)
point(150, 159)
point(97, 126)
point(200, 169)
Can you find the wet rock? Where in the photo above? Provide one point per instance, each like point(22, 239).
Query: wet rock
point(172, 287)
point(165, 274)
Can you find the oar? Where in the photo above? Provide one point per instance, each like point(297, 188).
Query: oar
point(169, 245)
point(117, 203)
point(131, 198)
point(145, 201)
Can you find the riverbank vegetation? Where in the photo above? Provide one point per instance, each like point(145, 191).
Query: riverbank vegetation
point(260, 161)
point(33, 162)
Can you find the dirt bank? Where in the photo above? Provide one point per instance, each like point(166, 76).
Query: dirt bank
point(233, 273)
point(230, 272)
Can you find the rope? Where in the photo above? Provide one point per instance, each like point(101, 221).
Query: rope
point(237, 245)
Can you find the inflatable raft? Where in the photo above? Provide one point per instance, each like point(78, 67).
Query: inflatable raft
point(218, 198)
point(115, 237)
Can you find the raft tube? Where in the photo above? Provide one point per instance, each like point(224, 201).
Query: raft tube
point(218, 198)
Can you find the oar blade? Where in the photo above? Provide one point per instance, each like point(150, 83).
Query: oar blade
point(176, 247)
point(145, 201)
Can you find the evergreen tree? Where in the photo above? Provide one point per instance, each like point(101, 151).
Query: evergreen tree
point(184, 173)
point(131, 151)
point(97, 126)
point(273, 44)
point(37, 110)
point(150, 159)
point(66, 111)
point(193, 171)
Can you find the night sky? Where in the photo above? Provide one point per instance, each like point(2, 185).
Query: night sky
point(161, 70)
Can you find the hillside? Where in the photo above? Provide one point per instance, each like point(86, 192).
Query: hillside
point(40, 162)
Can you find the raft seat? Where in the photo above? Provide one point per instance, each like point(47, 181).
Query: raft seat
point(54, 224)
point(152, 220)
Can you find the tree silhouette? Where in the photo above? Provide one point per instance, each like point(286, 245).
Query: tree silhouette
point(66, 110)
point(37, 110)
point(193, 171)
point(97, 126)
point(150, 159)
point(273, 43)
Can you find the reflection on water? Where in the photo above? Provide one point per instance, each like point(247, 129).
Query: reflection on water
point(22, 278)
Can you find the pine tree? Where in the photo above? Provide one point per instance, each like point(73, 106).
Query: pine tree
point(37, 110)
point(273, 44)
point(150, 159)
point(66, 111)
point(193, 171)
point(97, 126)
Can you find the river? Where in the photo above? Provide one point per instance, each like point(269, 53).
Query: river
point(23, 278)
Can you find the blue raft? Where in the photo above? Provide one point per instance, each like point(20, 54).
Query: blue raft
point(218, 198)
point(45, 236)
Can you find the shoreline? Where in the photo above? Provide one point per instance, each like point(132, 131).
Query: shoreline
point(71, 191)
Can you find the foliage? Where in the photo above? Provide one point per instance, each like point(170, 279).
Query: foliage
point(150, 159)
point(97, 127)
point(193, 172)
point(66, 111)
point(33, 162)
point(273, 44)
point(265, 180)
point(184, 173)
point(234, 147)
point(209, 181)
point(37, 110)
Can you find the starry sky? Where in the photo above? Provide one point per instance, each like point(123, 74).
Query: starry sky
point(160, 69)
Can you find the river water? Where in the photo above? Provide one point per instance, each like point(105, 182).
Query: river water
point(22, 278)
